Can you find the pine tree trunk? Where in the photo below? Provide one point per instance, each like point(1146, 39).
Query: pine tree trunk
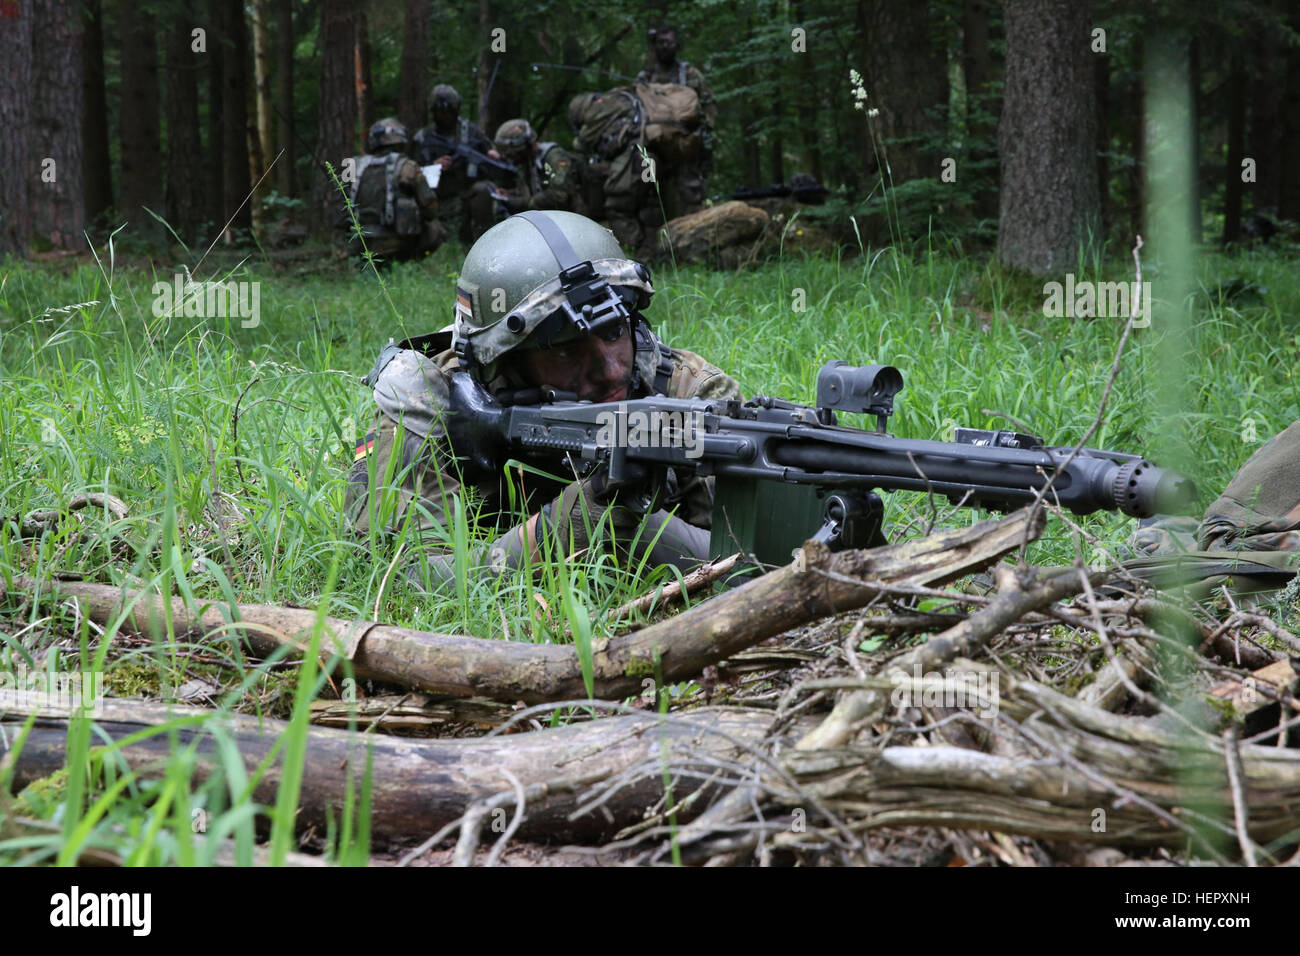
point(906, 77)
point(234, 116)
point(262, 83)
point(286, 179)
point(141, 134)
point(413, 84)
point(337, 114)
point(16, 158)
point(185, 210)
point(58, 215)
point(361, 64)
point(1047, 137)
point(809, 126)
point(1289, 200)
point(981, 106)
point(1236, 148)
point(97, 172)
point(216, 151)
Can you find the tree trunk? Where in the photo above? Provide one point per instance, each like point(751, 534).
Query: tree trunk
point(216, 150)
point(1236, 148)
point(906, 76)
point(16, 159)
point(262, 84)
point(337, 113)
point(1289, 201)
point(981, 105)
point(1267, 120)
point(58, 215)
point(185, 210)
point(1049, 199)
point(285, 173)
point(234, 115)
point(809, 127)
point(485, 61)
point(141, 136)
point(1101, 79)
point(97, 172)
point(361, 66)
point(413, 83)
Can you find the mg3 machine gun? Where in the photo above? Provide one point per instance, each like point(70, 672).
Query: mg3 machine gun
point(787, 472)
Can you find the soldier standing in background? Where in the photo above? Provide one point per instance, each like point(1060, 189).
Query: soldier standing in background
point(682, 184)
point(434, 144)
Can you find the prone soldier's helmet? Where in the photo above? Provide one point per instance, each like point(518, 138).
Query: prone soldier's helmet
point(515, 137)
point(444, 95)
point(386, 132)
point(539, 279)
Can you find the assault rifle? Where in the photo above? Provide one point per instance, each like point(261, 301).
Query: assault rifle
point(813, 193)
point(786, 472)
point(477, 165)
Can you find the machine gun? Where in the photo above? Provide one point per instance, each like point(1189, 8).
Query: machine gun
point(431, 146)
point(786, 472)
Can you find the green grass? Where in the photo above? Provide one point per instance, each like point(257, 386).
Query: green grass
point(229, 445)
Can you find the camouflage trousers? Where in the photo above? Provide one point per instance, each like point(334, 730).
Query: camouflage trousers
point(1258, 511)
point(394, 248)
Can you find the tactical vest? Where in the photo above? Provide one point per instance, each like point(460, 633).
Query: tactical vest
point(381, 207)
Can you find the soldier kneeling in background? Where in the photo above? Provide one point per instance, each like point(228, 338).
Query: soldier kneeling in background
point(395, 208)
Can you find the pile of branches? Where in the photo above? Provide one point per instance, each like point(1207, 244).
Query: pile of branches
point(1036, 717)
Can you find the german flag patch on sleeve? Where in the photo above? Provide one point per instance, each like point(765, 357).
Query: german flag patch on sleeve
point(366, 446)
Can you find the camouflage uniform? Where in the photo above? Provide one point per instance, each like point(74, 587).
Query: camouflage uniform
point(554, 179)
point(683, 186)
point(456, 209)
point(411, 389)
point(417, 232)
point(1258, 511)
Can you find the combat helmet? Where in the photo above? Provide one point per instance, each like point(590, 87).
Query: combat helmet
point(444, 93)
point(539, 279)
point(386, 132)
point(515, 136)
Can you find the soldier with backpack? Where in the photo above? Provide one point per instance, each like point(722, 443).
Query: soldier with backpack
point(687, 156)
point(395, 208)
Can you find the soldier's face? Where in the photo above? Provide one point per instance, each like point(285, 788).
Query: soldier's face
point(444, 114)
point(665, 46)
point(596, 367)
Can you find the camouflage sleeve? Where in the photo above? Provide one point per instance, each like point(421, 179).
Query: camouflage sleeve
point(693, 377)
point(412, 178)
point(403, 469)
point(708, 106)
point(560, 182)
point(1260, 508)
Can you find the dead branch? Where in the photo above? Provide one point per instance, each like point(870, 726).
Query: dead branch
point(817, 584)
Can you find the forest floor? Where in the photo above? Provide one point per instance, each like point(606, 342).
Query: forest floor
point(213, 453)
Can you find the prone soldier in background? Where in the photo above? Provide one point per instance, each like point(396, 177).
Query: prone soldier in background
point(395, 208)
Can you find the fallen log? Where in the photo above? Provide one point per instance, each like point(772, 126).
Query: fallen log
point(815, 585)
point(420, 785)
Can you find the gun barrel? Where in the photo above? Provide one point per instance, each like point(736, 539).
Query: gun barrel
point(991, 477)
